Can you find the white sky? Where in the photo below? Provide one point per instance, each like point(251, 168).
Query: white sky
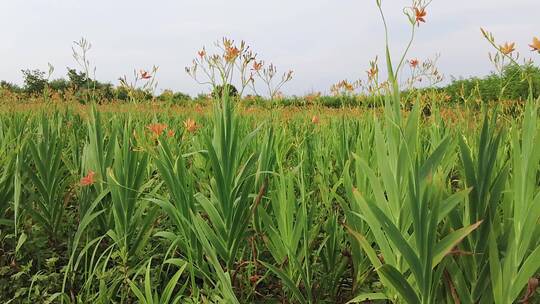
point(323, 41)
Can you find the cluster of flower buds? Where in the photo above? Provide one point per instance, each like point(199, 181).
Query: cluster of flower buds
point(424, 72)
point(311, 98)
point(217, 69)
point(267, 74)
point(344, 87)
point(135, 88)
point(373, 86)
point(373, 71)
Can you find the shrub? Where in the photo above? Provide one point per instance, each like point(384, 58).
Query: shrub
point(8, 86)
point(173, 97)
point(489, 88)
point(34, 81)
point(59, 84)
point(77, 79)
point(218, 91)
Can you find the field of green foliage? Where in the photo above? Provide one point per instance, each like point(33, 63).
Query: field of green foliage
point(229, 208)
point(405, 198)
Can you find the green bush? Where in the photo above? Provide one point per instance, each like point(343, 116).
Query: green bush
point(510, 85)
point(8, 86)
point(218, 91)
point(173, 97)
point(59, 85)
point(34, 81)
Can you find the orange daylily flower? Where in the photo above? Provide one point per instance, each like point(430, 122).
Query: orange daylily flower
point(414, 63)
point(190, 125)
point(201, 53)
point(170, 133)
point(535, 45)
point(420, 13)
point(507, 48)
point(372, 73)
point(315, 119)
point(257, 66)
point(145, 74)
point(88, 179)
point(157, 128)
point(231, 53)
point(349, 87)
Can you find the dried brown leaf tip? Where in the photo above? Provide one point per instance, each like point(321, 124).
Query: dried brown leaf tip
point(532, 285)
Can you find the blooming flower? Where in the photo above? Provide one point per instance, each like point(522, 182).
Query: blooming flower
point(507, 48)
point(535, 45)
point(257, 66)
point(190, 125)
point(315, 119)
point(413, 63)
point(88, 179)
point(202, 53)
point(170, 133)
point(145, 74)
point(231, 52)
point(420, 13)
point(157, 128)
point(372, 73)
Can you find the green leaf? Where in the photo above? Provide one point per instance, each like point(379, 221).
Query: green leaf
point(450, 241)
point(529, 268)
point(20, 242)
point(399, 283)
point(287, 282)
point(368, 297)
point(169, 288)
point(399, 241)
point(451, 202)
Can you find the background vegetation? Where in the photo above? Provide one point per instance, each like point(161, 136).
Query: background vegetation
point(485, 89)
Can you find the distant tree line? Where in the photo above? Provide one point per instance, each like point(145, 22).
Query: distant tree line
point(512, 83)
point(81, 87)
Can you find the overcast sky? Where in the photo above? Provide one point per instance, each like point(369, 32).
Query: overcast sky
point(323, 41)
